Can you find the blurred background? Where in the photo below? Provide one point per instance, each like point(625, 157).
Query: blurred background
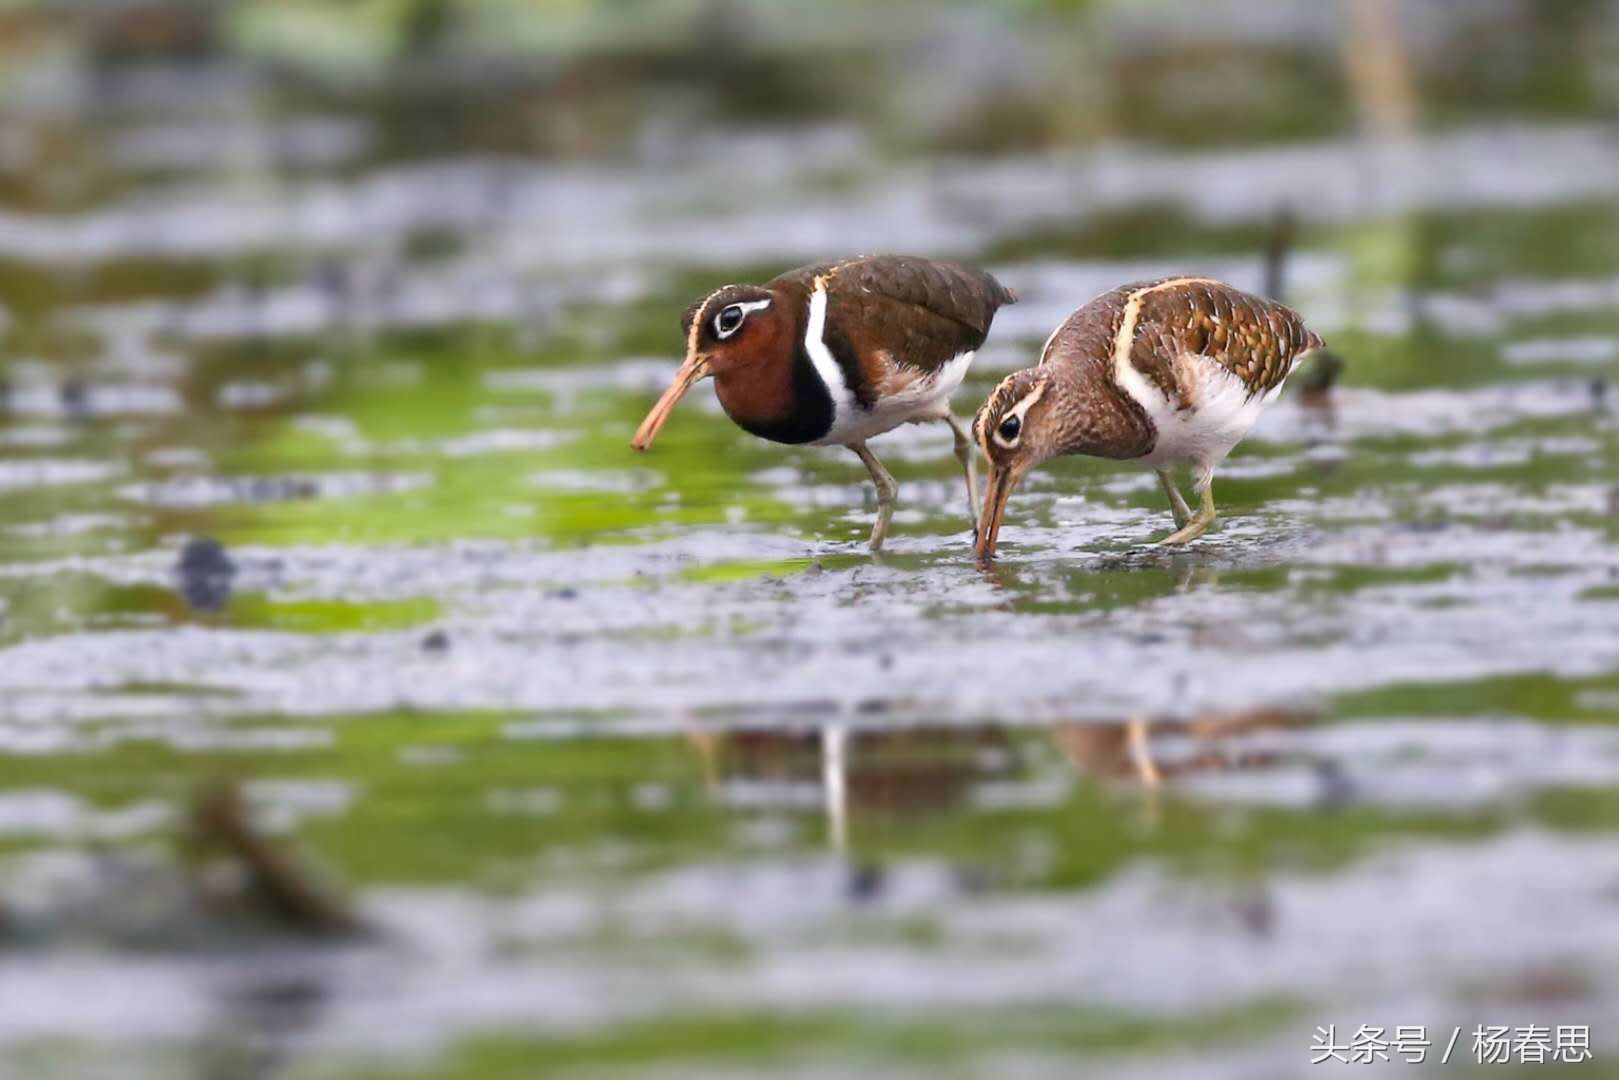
point(368, 709)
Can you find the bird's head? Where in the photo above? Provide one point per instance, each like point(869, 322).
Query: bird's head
point(726, 332)
point(1015, 428)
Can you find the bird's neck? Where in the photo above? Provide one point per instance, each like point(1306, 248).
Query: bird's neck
point(774, 392)
point(1094, 416)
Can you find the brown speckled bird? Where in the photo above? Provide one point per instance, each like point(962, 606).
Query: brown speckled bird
point(839, 352)
point(1166, 372)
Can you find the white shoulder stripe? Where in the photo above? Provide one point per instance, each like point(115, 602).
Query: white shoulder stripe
point(826, 366)
point(1045, 349)
point(1123, 370)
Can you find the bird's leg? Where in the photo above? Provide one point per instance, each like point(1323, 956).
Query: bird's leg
point(886, 492)
point(1177, 502)
point(1138, 737)
point(1201, 520)
point(967, 454)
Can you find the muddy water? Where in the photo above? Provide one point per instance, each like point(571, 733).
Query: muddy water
point(641, 764)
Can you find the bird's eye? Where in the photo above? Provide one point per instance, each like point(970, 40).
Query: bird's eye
point(727, 321)
point(1010, 429)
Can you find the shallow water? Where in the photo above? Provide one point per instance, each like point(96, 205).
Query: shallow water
point(641, 765)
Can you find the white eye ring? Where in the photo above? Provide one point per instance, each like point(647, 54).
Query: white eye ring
point(729, 321)
point(738, 311)
point(1020, 413)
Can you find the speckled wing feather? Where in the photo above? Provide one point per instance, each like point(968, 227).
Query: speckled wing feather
point(1255, 339)
point(919, 312)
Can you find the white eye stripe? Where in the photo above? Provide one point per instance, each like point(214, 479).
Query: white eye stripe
point(1021, 411)
point(743, 309)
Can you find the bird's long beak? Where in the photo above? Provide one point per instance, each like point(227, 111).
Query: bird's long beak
point(692, 372)
point(1001, 484)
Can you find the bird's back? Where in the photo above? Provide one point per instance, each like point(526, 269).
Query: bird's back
point(1153, 325)
point(922, 312)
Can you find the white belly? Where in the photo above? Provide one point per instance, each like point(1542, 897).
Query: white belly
point(1201, 436)
point(927, 398)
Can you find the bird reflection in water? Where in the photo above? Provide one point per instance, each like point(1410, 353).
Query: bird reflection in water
point(846, 770)
point(1153, 751)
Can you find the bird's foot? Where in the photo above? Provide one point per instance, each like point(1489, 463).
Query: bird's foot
point(1189, 532)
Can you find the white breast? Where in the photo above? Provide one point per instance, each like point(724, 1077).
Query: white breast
point(1201, 436)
